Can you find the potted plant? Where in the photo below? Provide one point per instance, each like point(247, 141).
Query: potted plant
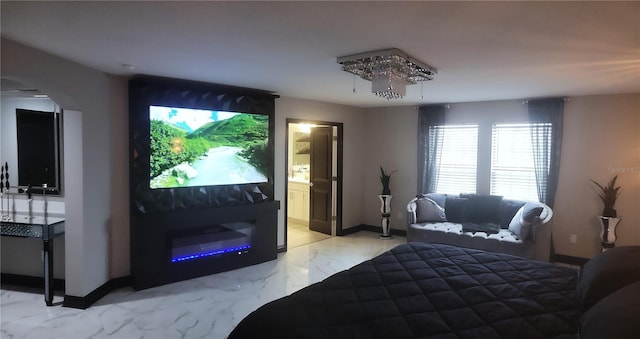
point(385, 179)
point(609, 194)
point(609, 218)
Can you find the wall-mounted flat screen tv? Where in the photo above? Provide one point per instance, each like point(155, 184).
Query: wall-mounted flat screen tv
point(194, 147)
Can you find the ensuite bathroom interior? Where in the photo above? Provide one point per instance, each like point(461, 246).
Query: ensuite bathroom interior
point(298, 193)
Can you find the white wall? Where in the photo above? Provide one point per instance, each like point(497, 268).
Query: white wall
point(74, 232)
point(601, 139)
point(391, 142)
point(355, 140)
point(88, 193)
point(601, 136)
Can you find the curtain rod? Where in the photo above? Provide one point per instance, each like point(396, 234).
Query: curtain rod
point(565, 99)
point(524, 102)
point(444, 105)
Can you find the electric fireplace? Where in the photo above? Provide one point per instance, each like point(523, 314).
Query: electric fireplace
point(231, 238)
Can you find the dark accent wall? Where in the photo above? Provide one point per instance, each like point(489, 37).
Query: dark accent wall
point(158, 216)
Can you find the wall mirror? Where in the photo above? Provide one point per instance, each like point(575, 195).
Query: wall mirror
point(31, 138)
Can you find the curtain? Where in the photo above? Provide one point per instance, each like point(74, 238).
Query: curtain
point(429, 146)
point(545, 116)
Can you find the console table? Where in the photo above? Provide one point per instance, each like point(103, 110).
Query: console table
point(39, 227)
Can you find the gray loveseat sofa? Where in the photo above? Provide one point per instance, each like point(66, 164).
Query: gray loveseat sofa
point(483, 222)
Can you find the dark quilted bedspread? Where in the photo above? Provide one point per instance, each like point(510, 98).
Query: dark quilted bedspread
point(421, 290)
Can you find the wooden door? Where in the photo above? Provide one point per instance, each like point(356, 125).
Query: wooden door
point(320, 179)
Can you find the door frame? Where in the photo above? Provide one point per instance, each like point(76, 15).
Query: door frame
point(339, 172)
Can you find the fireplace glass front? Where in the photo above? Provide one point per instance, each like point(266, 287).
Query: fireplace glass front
point(234, 238)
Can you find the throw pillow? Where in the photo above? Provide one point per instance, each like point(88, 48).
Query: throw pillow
point(438, 198)
point(508, 208)
point(607, 272)
point(521, 223)
point(428, 210)
point(456, 210)
point(483, 208)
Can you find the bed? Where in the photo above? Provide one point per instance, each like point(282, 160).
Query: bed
point(420, 290)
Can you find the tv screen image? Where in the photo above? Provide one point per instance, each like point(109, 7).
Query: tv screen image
point(193, 147)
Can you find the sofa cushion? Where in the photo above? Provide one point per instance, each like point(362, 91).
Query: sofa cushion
point(482, 208)
point(487, 227)
point(429, 210)
point(451, 233)
point(526, 216)
point(608, 272)
point(456, 210)
point(508, 208)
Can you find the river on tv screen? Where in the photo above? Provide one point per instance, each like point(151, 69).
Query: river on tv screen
point(192, 147)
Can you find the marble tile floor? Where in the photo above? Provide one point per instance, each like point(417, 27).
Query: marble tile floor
point(205, 307)
point(298, 234)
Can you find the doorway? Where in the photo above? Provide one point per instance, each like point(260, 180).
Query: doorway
point(313, 183)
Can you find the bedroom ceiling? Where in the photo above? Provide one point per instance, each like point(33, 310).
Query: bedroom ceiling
point(482, 50)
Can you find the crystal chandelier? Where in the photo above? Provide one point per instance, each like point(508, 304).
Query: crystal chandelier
point(389, 70)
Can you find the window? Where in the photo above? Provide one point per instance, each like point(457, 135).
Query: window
point(517, 159)
point(512, 161)
point(512, 169)
point(457, 159)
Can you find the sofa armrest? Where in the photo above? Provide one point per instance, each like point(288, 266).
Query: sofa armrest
point(541, 235)
point(546, 215)
point(538, 226)
point(411, 211)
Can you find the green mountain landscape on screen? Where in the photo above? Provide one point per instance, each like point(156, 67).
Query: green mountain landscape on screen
point(236, 131)
point(172, 145)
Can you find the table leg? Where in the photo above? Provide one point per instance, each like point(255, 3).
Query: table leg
point(48, 271)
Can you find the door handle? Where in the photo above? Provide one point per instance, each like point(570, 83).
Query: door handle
point(310, 184)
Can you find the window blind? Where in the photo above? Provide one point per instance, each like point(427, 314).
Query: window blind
point(458, 158)
point(512, 166)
